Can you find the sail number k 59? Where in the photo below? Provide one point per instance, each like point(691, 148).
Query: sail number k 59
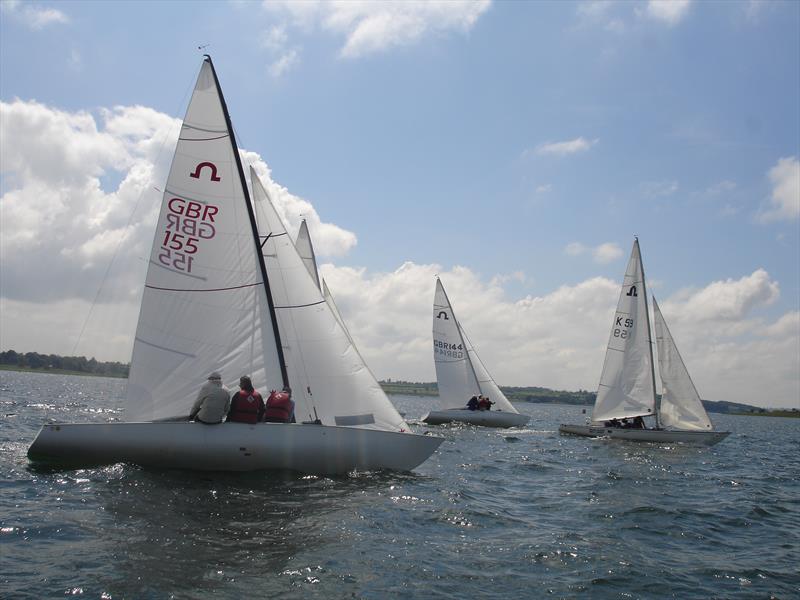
point(622, 328)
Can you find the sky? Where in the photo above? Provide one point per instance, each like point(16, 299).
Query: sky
point(513, 148)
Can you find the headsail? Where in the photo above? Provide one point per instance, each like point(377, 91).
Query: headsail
point(205, 305)
point(681, 407)
point(489, 387)
point(627, 387)
point(328, 378)
point(306, 251)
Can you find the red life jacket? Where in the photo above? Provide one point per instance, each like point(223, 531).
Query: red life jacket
point(279, 408)
point(246, 407)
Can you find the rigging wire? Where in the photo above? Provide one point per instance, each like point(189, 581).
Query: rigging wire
point(125, 231)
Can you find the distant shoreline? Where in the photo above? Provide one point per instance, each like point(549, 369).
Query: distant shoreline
point(533, 395)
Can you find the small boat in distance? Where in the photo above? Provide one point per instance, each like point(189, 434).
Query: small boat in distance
point(227, 291)
point(460, 374)
point(627, 385)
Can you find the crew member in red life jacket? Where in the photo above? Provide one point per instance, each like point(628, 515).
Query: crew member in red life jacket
point(484, 403)
point(280, 407)
point(247, 405)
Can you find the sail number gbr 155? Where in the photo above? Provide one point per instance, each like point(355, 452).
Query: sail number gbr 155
point(188, 223)
point(622, 328)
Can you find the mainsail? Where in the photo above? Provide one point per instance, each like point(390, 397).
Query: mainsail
point(627, 386)
point(460, 373)
point(205, 306)
point(681, 407)
point(328, 377)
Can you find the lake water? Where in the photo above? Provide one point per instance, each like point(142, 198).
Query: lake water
point(522, 513)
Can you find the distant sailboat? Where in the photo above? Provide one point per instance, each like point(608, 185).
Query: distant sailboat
point(220, 296)
point(461, 374)
point(627, 383)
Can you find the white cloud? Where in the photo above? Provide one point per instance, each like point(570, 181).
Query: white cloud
point(61, 224)
point(579, 144)
point(33, 16)
point(284, 62)
point(785, 199)
point(606, 253)
point(670, 12)
point(544, 189)
point(656, 189)
point(721, 187)
point(602, 254)
point(371, 27)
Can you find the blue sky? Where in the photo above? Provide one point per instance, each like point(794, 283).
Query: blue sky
point(514, 148)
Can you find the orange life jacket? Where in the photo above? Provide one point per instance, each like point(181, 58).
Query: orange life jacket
point(279, 408)
point(246, 407)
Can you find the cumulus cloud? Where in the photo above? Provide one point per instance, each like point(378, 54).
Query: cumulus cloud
point(579, 144)
point(602, 254)
point(32, 15)
point(371, 27)
point(784, 202)
point(620, 17)
point(63, 222)
point(63, 219)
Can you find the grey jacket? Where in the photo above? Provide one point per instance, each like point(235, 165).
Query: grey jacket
point(212, 404)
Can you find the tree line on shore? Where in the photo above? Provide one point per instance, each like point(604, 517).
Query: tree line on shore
point(55, 363)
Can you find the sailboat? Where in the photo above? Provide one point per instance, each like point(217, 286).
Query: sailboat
point(627, 387)
point(220, 296)
point(461, 374)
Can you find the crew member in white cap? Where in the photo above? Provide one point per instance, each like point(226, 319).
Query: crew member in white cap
point(213, 401)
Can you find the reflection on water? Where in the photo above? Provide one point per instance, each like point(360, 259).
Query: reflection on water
point(493, 513)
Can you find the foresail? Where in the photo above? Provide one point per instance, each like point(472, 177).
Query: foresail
point(306, 251)
point(489, 387)
point(326, 293)
point(626, 385)
point(204, 306)
point(455, 375)
point(329, 380)
point(681, 407)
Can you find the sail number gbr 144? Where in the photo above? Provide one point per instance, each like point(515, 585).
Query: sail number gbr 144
point(448, 350)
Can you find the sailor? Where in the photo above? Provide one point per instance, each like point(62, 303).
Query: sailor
point(213, 401)
point(472, 403)
point(247, 405)
point(280, 407)
point(484, 403)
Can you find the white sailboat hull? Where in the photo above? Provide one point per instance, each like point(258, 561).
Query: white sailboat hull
point(313, 449)
point(705, 438)
point(487, 418)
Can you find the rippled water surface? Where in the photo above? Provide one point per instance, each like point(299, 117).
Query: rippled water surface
point(521, 513)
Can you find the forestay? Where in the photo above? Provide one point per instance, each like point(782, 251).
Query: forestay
point(205, 306)
point(329, 380)
point(681, 407)
point(627, 387)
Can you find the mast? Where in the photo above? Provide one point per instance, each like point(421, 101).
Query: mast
point(649, 333)
point(253, 225)
point(461, 336)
